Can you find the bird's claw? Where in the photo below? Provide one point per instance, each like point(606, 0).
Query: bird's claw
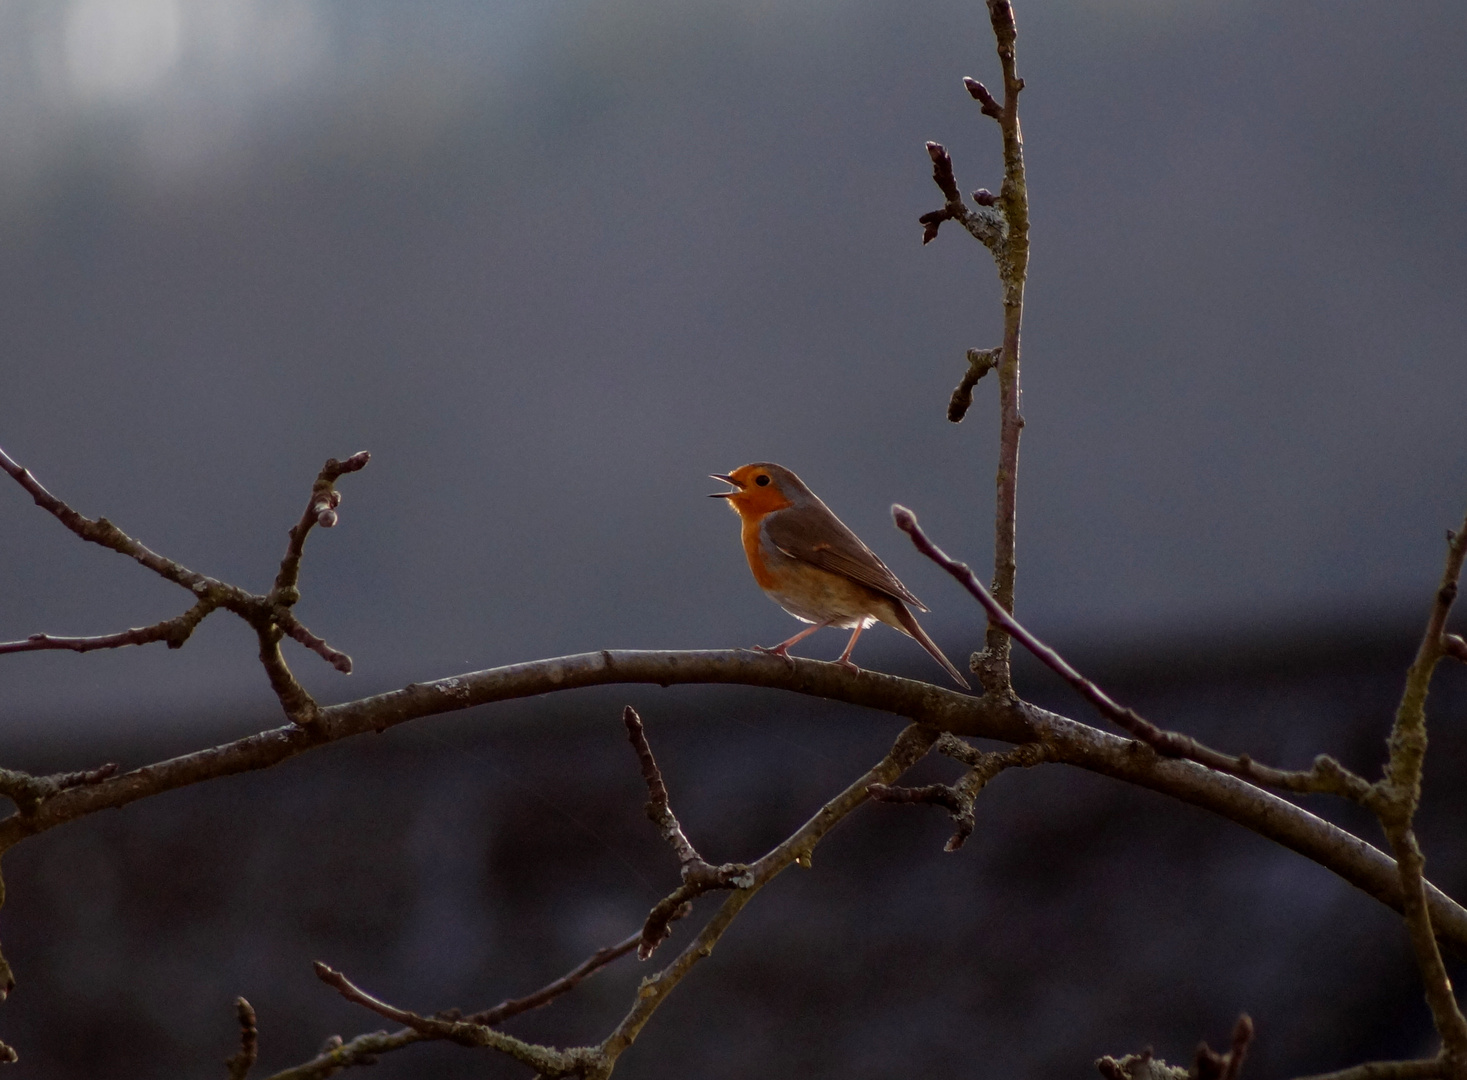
point(849, 665)
point(779, 650)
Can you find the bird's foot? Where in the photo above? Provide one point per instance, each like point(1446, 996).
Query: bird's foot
point(781, 651)
point(849, 664)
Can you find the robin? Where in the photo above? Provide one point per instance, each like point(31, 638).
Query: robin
point(810, 564)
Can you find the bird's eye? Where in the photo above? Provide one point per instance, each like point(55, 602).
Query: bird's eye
point(761, 480)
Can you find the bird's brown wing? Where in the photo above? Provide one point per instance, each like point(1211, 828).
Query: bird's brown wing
point(814, 535)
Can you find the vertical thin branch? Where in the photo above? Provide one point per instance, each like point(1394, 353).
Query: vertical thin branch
point(1013, 269)
point(1400, 792)
point(243, 1061)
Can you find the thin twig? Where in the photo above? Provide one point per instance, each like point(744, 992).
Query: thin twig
point(544, 1059)
point(337, 1054)
point(958, 798)
point(287, 621)
point(699, 876)
point(364, 1049)
point(552, 990)
point(320, 510)
point(174, 631)
point(103, 532)
point(1326, 776)
point(243, 1061)
point(1210, 1065)
point(299, 706)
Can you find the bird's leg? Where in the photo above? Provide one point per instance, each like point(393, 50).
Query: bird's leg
point(783, 648)
point(845, 660)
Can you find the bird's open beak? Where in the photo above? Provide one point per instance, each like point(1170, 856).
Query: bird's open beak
point(729, 480)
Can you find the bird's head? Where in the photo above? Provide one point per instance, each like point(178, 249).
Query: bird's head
point(761, 488)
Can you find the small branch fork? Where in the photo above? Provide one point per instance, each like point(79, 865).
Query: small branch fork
point(1393, 798)
point(269, 615)
point(597, 1062)
point(699, 876)
point(365, 1049)
point(958, 798)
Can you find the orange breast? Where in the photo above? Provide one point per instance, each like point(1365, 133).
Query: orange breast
point(757, 564)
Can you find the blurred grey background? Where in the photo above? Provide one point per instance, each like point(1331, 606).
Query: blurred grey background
point(553, 262)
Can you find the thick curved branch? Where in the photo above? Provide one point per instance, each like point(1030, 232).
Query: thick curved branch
point(923, 702)
point(1013, 721)
point(1353, 859)
point(28, 792)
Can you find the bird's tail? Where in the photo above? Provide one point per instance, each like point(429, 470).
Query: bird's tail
point(912, 627)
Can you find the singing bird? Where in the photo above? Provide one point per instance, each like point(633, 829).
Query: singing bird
point(810, 564)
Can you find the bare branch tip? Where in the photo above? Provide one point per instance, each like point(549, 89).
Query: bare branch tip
point(354, 463)
point(942, 172)
point(249, 1041)
point(931, 222)
point(980, 93)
